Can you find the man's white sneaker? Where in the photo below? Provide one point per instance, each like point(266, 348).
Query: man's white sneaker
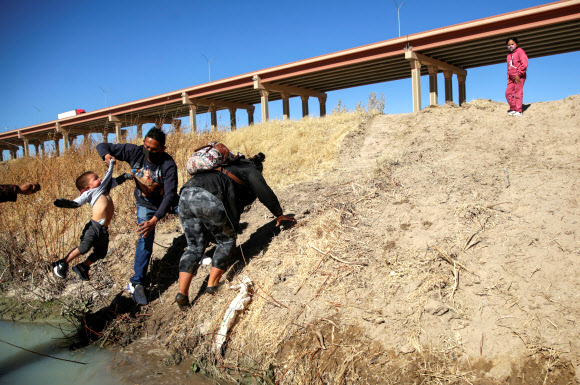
point(517, 113)
point(511, 112)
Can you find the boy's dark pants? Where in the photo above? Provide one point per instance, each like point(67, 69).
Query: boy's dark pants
point(96, 236)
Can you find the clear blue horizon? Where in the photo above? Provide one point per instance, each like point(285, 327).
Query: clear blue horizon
point(69, 55)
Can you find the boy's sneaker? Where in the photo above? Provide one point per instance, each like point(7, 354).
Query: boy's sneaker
point(60, 268)
point(82, 271)
point(511, 112)
point(517, 113)
point(138, 293)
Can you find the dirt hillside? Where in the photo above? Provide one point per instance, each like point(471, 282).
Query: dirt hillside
point(442, 248)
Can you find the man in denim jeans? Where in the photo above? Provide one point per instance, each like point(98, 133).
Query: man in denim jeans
point(155, 175)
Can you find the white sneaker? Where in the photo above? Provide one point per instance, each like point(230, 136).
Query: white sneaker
point(511, 112)
point(517, 113)
point(130, 288)
point(138, 293)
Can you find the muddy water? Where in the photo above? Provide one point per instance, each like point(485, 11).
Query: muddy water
point(92, 366)
point(18, 366)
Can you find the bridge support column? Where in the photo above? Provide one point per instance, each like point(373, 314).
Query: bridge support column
point(39, 151)
point(12, 154)
point(448, 86)
point(213, 114)
point(416, 84)
point(433, 92)
point(285, 105)
point(264, 101)
point(461, 88)
point(305, 112)
point(193, 118)
point(322, 101)
point(118, 133)
point(250, 116)
point(65, 142)
point(232, 118)
point(139, 131)
point(25, 148)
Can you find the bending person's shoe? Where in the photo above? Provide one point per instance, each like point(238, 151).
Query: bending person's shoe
point(182, 301)
point(211, 289)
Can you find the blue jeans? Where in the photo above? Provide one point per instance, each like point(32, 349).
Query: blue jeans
point(144, 247)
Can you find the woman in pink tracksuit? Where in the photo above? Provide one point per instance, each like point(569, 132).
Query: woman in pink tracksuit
point(517, 64)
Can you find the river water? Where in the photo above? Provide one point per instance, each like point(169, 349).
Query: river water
point(18, 366)
point(100, 366)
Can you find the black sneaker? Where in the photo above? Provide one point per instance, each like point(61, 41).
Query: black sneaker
point(182, 301)
point(60, 268)
point(139, 295)
point(82, 271)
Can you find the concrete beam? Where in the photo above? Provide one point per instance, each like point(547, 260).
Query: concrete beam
point(289, 90)
point(426, 60)
point(220, 104)
point(134, 121)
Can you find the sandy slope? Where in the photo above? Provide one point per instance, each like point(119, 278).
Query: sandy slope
point(454, 257)
point(500, 194)
point(496, 194)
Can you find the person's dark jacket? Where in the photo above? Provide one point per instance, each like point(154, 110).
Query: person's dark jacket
point(235, 196)
point(8, 192)
point(156, 183)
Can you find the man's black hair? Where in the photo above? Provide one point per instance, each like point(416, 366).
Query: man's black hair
point(512, 38)
point(157, 134)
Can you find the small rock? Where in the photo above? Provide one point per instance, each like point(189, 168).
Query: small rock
point(412, 286)
point(435, 307)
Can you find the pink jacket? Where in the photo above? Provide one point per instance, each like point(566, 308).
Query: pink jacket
point(517, 63)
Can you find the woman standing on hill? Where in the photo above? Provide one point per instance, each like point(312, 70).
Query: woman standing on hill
point(211, 204)
point(517, 65)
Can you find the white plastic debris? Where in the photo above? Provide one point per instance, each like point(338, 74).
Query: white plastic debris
point(205, 261)
point(238, 305)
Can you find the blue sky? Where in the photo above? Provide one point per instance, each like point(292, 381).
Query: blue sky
point(61, 55)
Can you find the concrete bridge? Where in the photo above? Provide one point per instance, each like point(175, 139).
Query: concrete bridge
point(548, 29)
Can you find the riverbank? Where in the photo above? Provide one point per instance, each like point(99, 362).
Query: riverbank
point(429, 248)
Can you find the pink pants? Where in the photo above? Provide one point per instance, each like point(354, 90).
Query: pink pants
point(515, 94)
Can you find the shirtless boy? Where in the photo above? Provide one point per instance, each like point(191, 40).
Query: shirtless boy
point(95, 234)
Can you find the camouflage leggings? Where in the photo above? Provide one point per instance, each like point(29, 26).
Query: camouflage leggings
point(202, 214)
